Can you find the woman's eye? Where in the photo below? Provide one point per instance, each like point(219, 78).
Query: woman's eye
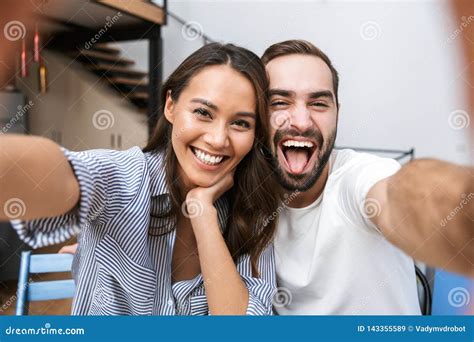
point(242, 123)
point(278, 103)
point(202, 112)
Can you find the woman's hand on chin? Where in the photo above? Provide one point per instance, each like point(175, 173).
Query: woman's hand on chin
point(205, 197)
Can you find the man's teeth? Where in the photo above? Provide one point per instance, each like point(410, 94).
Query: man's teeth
point(207, 158)
point(294, 143)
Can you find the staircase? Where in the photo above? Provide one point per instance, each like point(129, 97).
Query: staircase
point(111, 67)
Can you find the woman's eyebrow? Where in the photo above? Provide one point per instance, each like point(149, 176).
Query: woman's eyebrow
point(206, 103)
point(246, 114)
point(213, 106)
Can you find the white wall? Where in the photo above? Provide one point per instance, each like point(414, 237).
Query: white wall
point(397, 90)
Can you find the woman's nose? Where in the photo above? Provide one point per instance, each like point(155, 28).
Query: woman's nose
point(218, 138)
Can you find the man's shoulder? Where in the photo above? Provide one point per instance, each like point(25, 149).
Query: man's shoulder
point(346, 160)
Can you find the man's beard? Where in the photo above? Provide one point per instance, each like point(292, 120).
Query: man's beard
point(304, 182)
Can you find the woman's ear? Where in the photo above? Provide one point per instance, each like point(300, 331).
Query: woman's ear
point(169, 106)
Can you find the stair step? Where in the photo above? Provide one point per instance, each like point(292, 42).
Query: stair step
point(128, 81)
point(139, 95)
point(118, 69)
point(105, 48)
point(106, 57)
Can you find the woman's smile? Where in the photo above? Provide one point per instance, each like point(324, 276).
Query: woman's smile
point(208, 161)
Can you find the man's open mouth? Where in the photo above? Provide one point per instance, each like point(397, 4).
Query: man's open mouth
point(297, 154)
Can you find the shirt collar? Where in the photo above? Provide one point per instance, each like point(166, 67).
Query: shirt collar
point(157, 171)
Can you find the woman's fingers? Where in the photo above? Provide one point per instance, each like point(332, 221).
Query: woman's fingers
point(71, 249)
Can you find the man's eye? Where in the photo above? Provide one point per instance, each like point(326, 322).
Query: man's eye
point(202, 112)
point(320, 104)
point(242, 123)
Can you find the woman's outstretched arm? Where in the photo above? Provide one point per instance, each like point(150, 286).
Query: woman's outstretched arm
point(35, 178)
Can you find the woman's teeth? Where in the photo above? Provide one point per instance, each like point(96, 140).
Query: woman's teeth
point(207, 158)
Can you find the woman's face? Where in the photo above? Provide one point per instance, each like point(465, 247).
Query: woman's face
point(213, 125)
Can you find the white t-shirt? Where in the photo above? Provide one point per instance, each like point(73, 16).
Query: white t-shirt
point(332, 260)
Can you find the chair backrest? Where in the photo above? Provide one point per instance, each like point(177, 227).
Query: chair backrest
point(46, 290)
point(424, 292)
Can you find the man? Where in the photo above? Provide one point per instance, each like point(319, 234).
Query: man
point(352, 221)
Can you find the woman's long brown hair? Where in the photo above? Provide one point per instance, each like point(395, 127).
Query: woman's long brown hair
point(253, 198)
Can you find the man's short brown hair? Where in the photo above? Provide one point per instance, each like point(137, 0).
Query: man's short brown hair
point(301, 47)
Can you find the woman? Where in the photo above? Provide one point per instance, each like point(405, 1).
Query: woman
point(178, 227)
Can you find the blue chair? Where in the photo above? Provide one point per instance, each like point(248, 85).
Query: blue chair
point(45, 290)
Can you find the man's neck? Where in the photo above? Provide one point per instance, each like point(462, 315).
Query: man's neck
point(303, 199)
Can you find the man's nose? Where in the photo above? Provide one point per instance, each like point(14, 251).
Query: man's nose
point(301, 118)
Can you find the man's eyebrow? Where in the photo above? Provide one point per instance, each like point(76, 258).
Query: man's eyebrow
point(280, 92)
point(206, 103)
point(321, 93)
point(313, 95)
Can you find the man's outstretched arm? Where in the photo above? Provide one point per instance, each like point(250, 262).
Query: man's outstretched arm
point(427, 210)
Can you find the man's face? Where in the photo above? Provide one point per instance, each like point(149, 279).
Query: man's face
point(303, 114)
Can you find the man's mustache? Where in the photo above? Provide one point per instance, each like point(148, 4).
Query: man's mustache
point(310, 134)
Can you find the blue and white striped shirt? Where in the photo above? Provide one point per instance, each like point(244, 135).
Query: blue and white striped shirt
point(123, 262)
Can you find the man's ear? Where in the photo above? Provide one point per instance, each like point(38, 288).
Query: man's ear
point(169, 106)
